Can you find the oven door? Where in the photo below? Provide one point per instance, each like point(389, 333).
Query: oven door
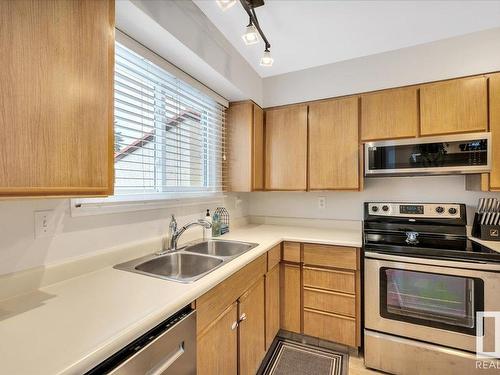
point(427, 302)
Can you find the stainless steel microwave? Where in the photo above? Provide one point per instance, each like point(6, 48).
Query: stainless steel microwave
point(451, 154)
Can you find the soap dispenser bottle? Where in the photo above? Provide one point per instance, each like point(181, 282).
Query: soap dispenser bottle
point(207, 232)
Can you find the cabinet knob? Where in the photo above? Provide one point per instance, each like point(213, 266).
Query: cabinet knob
point(243, 317)
point(234, 326)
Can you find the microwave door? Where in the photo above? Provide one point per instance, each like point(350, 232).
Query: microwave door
point(466, 153)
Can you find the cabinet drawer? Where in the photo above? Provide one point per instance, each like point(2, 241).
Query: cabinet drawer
point(340, 281)
point(333, 302)
point(330, 327)
point(331, 256)
point(291, 252)
point(273, 257)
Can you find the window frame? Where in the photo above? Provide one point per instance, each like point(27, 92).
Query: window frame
point(145, 201)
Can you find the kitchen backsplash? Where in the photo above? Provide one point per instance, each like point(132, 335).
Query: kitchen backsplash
point(344, 205)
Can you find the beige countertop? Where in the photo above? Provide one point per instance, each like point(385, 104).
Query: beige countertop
point(493, 245)
point(71, 326)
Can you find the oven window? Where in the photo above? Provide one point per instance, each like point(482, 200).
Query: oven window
point(431, 299)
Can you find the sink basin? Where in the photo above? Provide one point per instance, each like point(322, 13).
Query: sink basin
point(220, 248)
point(190, 263)
point(179, 266)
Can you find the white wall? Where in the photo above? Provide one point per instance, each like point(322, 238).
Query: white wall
point(81, 236)
point(349, 205)
point(460, 56)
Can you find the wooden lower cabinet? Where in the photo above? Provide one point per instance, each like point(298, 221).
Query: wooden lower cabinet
point(251, 329)
point(217, 347)
point(231, 323)
point(321, 292)
point(325, 300)
point(332, 327)
point(272, 304)
point(290, 297)
point(335, 280)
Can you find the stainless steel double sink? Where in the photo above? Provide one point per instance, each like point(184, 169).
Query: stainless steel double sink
point(189, 263)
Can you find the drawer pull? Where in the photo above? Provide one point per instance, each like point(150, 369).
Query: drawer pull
point(243, 317)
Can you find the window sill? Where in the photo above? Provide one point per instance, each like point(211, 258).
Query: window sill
point(139, 202)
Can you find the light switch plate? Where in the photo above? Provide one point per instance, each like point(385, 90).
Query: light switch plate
point(45, 225)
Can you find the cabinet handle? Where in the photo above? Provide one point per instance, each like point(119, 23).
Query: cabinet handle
point(243, 317)
point(234, 326)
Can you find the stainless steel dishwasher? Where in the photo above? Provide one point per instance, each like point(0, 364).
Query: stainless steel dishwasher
point(167, 349)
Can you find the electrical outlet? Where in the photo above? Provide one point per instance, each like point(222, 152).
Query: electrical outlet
point(321, 203)
point(45, 225)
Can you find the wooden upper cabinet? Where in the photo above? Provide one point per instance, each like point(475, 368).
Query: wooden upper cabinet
point(258, 149)
point(389, 114)
point(56, 95)
point(245, 123)
point(494, 86)
point(286, 148)
point(333, 144)
point(455, 106)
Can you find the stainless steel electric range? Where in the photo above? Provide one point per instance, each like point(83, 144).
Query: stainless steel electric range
point(425, 282)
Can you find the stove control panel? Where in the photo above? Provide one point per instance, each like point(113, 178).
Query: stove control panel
point(423, 210)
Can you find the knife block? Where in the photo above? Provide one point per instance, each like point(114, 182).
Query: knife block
point(485, 232)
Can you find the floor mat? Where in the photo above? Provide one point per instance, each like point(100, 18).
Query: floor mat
point(291, 358)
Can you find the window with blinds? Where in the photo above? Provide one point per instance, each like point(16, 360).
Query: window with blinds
point(169, 136)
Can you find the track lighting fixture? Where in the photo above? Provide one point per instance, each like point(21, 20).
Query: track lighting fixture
point(253, 29)
point(266, 60)
point(251, 35)
point(225, 4)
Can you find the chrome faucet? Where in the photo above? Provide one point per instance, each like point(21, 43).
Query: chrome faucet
point(174, 233)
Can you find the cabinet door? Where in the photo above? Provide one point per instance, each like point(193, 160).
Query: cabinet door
point(456, 106)
point(252, 335)
point(245, 124)
point(333, 144)
point(286, 148)
point(217, 347)
point(56, 117)
point(290, 298)
point(258, 149)
point(239, 125)
point(272, 304)
point(494, 85)
point(389, 114)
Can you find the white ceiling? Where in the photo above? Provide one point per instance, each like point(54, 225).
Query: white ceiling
point(308, 33)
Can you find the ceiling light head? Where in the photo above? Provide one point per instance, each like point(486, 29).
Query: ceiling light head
point(225, 4)
point(251, 35)
point(266, 60)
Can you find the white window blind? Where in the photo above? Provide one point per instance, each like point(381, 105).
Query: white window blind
point(169, 136)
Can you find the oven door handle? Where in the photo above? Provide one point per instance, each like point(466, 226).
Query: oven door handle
point(450, 263)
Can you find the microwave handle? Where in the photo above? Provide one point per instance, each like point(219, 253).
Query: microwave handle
point(168, 361)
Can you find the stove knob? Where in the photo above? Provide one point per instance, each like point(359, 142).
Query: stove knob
point(374, 208)
point(452, 211)
point(439, 209)
point(385, 208)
